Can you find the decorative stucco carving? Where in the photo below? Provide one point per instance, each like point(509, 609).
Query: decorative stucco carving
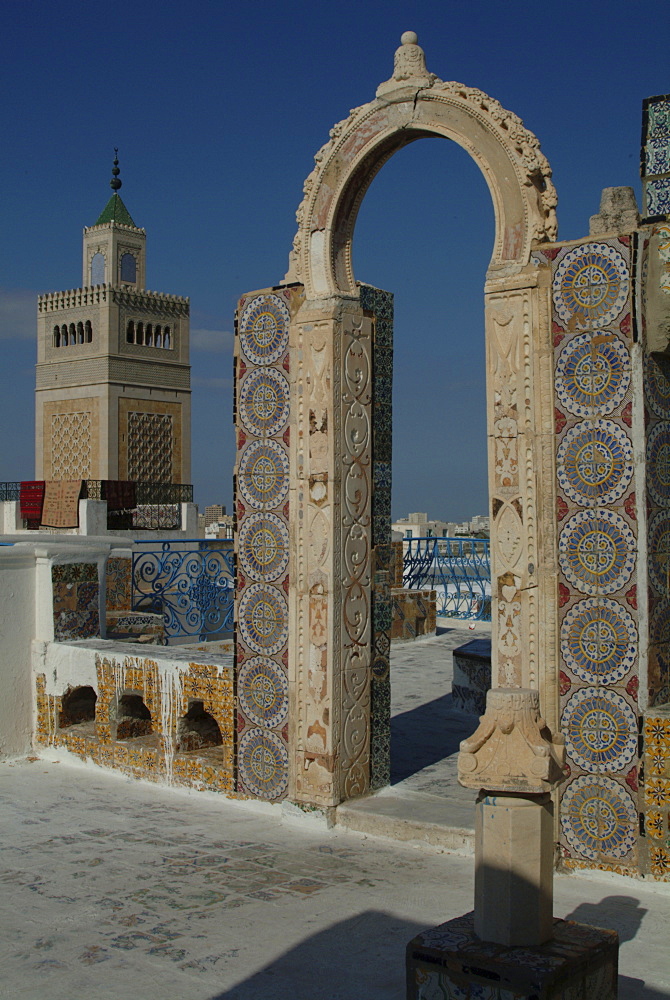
point(512, 750)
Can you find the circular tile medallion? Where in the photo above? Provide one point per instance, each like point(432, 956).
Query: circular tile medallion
point(599, 640)
point(595, 462)
point(263, 763)
point(263, 619)
point(658, 464)
point(597, 551)
point(264, 329)
point(591, 285)
point(600, 730)
point(263, 547)
point(264, 401)
point(592, 377)
point(263, 692)
point(598, 817)
point(263, 475)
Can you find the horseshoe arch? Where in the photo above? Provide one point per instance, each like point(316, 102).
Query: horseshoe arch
point(336, 568)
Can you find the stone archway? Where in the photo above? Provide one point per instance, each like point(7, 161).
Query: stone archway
point(335, 572)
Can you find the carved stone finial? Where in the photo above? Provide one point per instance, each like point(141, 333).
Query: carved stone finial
point(409, 66)
point(512, 750)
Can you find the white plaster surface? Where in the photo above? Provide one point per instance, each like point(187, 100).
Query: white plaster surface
point(116, 888)
point(17, 616)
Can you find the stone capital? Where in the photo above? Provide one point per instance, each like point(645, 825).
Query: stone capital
point(512, 750)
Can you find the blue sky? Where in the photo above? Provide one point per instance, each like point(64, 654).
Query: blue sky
point(218, 109)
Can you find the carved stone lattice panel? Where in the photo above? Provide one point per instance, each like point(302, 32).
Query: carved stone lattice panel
point(71, 448)
point(150, 456)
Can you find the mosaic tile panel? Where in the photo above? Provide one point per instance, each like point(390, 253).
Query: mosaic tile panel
point(450, 962)
point(414, 613)
point(655, 157)
point(657, 415)
point(598, 544)
point(656, 744)
point(262, 410)
point(118, 584)
point(76, 597)
point(379, 305)
point(168, 695)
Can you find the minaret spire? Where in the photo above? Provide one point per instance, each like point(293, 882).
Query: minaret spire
point(116, 181)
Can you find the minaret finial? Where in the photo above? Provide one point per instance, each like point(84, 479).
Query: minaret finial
point(116, 181)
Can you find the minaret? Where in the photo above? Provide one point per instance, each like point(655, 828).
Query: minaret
point(113, 390)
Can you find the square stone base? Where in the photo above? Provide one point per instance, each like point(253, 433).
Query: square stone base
point(450, 963)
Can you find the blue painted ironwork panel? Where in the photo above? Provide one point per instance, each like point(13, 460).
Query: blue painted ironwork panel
point(190, 582)
point(457, 569)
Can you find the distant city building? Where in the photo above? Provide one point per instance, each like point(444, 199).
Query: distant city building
point(418, 526)
point(214, 513)
point(223, 528)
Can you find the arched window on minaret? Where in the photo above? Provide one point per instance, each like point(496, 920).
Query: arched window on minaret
point(80, 333)
point(140, 334)
point(166, 338)
point(149, 335)
point(97, 269)
point(73, 334)
point(56, 336)
point(89, 332)
point(128, 268)
point(63, 335)
point(130, 332)
point(158, 339)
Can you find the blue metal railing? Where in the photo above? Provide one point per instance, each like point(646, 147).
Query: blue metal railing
point(191, 582)
point(457, 569)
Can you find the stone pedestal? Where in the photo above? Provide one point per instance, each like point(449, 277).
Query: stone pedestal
point(578, 962)
point(513, 869)
point(510, 948)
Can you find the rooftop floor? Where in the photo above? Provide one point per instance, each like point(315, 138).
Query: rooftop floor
point(117, 888)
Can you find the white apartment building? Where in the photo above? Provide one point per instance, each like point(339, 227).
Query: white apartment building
point(417, 525)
